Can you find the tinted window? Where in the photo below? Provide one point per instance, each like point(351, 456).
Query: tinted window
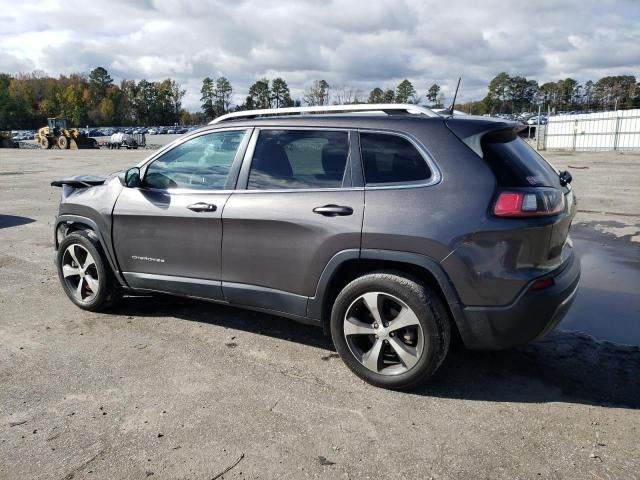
point(516, 164)
point(391, 159)
point(286, 159)
point(201, 163)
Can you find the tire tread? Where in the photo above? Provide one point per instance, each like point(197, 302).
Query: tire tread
point(421, 293)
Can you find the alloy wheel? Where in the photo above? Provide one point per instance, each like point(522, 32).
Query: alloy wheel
point(80, 273)
point(383, 333)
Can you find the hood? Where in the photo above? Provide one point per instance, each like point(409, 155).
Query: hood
point(80, 181)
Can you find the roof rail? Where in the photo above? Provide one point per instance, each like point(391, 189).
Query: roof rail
point(388, 108)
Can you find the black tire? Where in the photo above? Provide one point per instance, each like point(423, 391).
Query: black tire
point(425, 305)
point(63, 142)
point(108, 290)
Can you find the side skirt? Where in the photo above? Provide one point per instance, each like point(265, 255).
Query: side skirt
point(250, 297)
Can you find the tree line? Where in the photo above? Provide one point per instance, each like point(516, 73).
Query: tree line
point(27, 100)
point(266, 93)
point(513, 94)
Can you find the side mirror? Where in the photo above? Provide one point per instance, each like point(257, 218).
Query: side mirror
point(132, 177)
point(565, 178)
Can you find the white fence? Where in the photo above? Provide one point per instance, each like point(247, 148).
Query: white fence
point(619, 130)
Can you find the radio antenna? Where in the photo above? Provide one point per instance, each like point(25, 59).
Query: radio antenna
point(455, 95)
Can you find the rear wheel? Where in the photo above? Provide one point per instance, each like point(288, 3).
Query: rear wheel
point(390, 330)
point(85, 276)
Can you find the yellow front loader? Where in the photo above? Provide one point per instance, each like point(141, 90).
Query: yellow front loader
point(56, 134)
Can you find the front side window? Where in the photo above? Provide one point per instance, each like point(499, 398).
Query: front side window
point(299, 159)
point(391, 159)
point(201, 163)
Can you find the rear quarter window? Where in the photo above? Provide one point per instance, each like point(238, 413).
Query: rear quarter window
point(516, 164)
point(391, 159)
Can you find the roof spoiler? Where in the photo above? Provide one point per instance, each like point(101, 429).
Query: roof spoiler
point(471, 130)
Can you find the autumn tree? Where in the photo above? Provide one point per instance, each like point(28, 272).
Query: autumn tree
point(73, 102)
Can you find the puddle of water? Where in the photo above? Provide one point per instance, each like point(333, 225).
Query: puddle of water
point(607, 306)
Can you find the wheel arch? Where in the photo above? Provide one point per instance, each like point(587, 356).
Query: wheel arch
point(74, 223)
point(348, 265)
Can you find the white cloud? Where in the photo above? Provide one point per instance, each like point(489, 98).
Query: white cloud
point(363, 44)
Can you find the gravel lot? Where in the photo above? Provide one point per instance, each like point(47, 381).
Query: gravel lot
point(169, 388)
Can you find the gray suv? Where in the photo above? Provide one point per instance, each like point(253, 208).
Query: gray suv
point(389, 226)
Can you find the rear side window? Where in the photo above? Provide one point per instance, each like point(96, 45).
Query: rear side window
point(299, 159)
point(516, 164)
point(390, 159)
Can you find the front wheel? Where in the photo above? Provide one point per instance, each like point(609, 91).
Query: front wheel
point(85, 277)
point(63, 142)
point(390, 330)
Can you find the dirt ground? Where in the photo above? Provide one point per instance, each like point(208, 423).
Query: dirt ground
point(169, 388)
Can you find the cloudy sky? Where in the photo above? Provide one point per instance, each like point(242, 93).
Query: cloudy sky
point(360, 43)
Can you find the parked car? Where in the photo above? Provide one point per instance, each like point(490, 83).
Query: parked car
point(23, 135)
point(152, 131)
point(534, 120)
point(94, 132)
point(391, 232)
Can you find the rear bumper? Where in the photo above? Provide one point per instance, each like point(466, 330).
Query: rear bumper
point(531, 316)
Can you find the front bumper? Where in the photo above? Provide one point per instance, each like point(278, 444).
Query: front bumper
point(531, 316)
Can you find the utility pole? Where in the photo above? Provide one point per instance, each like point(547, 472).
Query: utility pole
point(538, 128)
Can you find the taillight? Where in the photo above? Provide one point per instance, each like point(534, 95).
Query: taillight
point(529, 203)
point(543, 283)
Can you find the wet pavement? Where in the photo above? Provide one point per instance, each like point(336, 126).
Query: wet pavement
point(607, 306)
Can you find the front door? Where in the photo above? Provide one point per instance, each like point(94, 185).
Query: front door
point(298, 210)
point(167, 233)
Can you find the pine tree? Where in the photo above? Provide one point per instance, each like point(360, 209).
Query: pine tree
point(207, 98)
point(404, 91)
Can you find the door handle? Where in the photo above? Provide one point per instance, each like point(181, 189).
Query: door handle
point(202, 207)
point(333, 210)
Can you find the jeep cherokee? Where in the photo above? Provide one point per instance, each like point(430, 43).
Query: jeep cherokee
point(390, 226)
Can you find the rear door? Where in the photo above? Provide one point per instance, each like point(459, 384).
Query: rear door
point(167, 233)
point(294, 209)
